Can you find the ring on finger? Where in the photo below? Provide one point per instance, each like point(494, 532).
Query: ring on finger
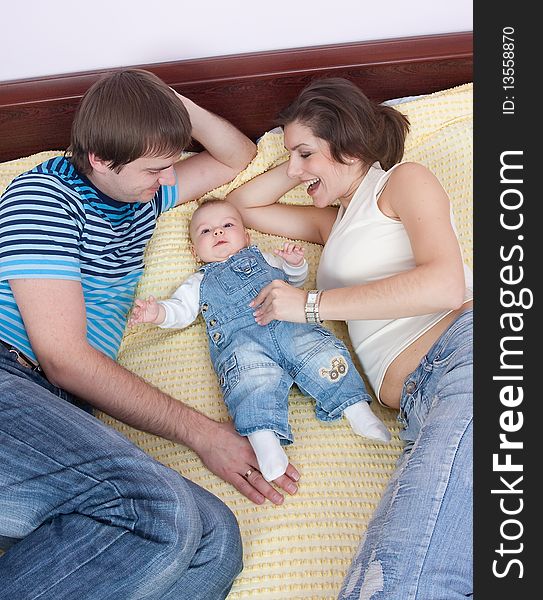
point(248, 473)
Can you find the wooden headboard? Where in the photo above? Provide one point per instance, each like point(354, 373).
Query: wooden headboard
point(246, 89)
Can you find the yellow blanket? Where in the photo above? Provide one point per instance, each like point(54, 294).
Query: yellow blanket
point(303, 548)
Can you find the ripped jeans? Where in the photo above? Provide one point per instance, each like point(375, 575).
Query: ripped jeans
point(419, 542)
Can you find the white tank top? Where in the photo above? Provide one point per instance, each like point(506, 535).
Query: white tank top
point(365, 245)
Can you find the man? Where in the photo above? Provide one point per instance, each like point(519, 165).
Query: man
point(83, 512)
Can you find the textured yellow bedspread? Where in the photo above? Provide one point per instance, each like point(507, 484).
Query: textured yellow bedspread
point(303, 548)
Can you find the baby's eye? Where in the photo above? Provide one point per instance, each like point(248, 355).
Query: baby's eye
point(203, 231)
point(228, 225)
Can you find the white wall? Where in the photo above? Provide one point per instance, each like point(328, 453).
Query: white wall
point(63, 36)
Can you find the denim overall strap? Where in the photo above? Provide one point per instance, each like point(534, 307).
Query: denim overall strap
point(226, 291)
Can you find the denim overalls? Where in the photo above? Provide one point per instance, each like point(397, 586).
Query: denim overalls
point(257, 365)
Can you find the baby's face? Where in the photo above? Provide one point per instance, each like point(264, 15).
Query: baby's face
point(217, 232)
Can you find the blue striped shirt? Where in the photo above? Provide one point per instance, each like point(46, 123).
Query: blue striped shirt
point(54, 224)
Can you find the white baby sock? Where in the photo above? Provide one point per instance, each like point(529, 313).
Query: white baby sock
point(272, 460)
point(365, 423)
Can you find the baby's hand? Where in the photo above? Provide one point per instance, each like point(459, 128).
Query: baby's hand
point(144, 311)
point(291, 253)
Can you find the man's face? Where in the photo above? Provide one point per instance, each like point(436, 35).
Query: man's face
point(138, 181)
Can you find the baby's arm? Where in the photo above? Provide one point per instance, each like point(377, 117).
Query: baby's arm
point(177, 312)
point(291, 260)
point(291, 253)
point(147, 311)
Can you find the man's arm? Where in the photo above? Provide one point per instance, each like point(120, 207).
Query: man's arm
point(227, 152)
point(54, 316)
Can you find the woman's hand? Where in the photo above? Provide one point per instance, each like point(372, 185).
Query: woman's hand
point(281, 301)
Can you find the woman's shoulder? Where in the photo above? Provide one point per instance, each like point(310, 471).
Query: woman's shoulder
point(411, 176)
point(410, 184)
point(409, 169)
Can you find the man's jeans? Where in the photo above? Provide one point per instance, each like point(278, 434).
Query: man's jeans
point(86, 514)
point(419, 543)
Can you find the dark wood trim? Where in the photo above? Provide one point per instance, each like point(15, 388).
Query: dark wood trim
point(247, 89)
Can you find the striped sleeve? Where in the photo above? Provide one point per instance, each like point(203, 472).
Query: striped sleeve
point(168, 196)
point(40, 230)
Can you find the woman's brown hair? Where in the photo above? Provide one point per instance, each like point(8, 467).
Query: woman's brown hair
point(337, 111)
point(126, 115)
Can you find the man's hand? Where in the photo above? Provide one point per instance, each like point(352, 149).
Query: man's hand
point(281, 301)
point(226, 152)
point(230, 456)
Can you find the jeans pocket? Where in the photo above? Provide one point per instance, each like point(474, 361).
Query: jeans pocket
point(449, 353)
point(239, 274)
point(228, 374)
point(330, 338)
point(414, 409)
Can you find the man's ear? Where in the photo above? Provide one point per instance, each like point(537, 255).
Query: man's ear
point(98, 164)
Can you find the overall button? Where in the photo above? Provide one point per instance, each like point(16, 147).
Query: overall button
point(213, 322)
point(205, 307)
point(216, 336)
point(410, 387)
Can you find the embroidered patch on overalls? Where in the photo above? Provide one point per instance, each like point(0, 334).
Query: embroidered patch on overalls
point(338, 369)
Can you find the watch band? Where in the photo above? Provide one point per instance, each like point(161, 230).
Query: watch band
point(312, 306)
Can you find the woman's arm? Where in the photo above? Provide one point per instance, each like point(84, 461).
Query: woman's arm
point(415, 196)
point(257, 201)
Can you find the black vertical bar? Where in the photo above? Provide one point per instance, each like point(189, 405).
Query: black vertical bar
point(507, 199)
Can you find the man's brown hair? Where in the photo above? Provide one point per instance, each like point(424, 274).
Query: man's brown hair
point(125, 115)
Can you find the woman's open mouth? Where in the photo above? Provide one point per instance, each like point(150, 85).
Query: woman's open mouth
point(312, 185)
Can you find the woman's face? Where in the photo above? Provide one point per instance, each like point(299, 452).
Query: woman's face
point(311, 162)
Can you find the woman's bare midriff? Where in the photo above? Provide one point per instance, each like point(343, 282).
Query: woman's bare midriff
point(408, 360)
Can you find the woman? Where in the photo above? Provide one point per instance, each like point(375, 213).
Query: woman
point(392, 268)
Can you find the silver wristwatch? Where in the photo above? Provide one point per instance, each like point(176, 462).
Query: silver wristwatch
point(312, 306)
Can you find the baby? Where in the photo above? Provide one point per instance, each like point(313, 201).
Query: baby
point(257, 365)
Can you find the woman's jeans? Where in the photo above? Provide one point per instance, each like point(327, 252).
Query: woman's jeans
point(86, 514)
point(419, 543)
